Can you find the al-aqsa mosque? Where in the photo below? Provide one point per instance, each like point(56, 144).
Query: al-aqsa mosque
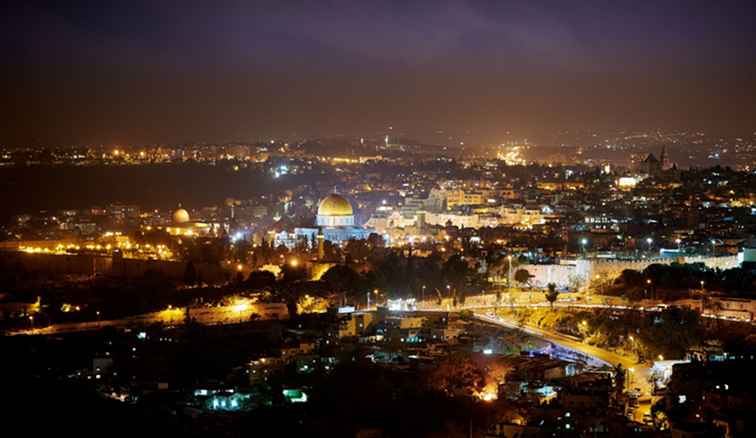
point(183, 225)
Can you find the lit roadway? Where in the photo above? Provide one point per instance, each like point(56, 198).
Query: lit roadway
point(569, 342)
point(231, 314)
point(638, 373)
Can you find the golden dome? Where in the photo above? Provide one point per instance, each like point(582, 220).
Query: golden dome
point(180, 216)
point(335, 205)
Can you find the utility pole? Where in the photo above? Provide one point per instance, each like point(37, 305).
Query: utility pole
point(509, 279)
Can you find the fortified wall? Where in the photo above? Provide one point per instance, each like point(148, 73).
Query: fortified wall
point(581, 273)
point(87, 264)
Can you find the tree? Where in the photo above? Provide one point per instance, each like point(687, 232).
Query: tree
point(499, 267)
point(522, 276)
point(190, 274)
point(457, 374)
point(551, 294)
point(341, 278)
point(292, 274)
point(239, 278)
point(358, 249)
point(261, 280)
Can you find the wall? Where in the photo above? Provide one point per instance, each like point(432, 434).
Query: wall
point(585, 271)
point(63, 264)
point(83, 264)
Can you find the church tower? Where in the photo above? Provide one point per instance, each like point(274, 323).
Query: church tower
point(663, 157)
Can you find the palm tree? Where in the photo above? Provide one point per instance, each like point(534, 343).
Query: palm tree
point(551, 294)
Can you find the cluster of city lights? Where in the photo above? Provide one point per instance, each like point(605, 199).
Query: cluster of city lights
point(131, 250)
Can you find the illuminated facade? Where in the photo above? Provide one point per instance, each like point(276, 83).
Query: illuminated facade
point(335, 221)
point(335, 211)
point(183, 226)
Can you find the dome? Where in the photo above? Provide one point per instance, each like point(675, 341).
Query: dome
point(335, 211)
point(180, 216)
point(335, 205)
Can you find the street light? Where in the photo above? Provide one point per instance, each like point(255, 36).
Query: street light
point(375, 292)
point(583, 244)
point(649, 241)
point(632, 346)
point(240, 307)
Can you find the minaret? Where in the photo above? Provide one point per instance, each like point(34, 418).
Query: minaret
point(321, 245)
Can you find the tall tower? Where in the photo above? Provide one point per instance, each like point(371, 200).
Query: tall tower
point(321, 245)
point(663, 157)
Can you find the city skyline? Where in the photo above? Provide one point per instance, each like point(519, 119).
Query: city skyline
point(378, 219)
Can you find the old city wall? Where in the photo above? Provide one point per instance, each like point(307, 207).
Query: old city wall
point(86, 264)
point(583, 272)
point(57, 264)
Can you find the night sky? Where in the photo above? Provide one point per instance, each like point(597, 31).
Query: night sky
point(166, 72)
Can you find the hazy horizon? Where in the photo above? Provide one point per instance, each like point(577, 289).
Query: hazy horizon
point(161, 72)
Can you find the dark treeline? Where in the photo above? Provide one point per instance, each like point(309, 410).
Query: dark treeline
point(668, 282)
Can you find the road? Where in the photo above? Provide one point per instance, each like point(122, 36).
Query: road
point(576, 301)
point(637, 373)
point(230, 314)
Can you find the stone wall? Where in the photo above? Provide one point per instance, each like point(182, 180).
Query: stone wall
point(583, 272)
point(85, 264)
point(58, 264)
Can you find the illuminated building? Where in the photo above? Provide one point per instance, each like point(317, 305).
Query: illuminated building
point(653, 166)
point(335, 211)
point(553, 186)
point(627, 182)
point(446, 199)
point(334, 221)
point(180, 216)
point(182, 225)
